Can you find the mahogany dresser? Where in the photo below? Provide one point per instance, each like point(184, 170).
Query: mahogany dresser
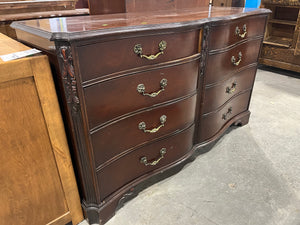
point(142, 90)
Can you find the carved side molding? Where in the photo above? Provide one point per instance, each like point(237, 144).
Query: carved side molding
point(79, 145)
point(68, 77)
point(204, 50)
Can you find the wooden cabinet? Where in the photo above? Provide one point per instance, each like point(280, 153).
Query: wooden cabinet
point(26, 9)
point(142, 91)
point(121, 6)
point(229, 3)
point(281, 46)
point(231, 62)
point(37, 181)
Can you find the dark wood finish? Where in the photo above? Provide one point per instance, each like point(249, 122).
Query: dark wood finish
point(82, 4)
point(106, 6)
point(220, 65)
point(229, 3)
point(122, 6)
point(154, 5)
point(238, 3)
point(212, 122)
point(86, 27)
point(97, 79)
point(37, 179)
point(282, 2)
point(181, 81)
point(226, 3)
point(131, 136)
point(176, 147)
point(223, 36)
point(102, 58)
point(218, 94)
point(282, 42)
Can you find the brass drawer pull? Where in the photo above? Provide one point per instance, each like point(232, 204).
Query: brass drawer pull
point(238, 31)
point(231, 90)
point(139, 50)
point(141, 88)
point(233, 59)
point(142, 125)
point(225, 115)
point(144, 160)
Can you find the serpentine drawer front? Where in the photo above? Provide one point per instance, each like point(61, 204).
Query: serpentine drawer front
point(225, 63)
point(212, 122)
point(109, 57)
point(141, 91)
point(141, 128)
point(173, 147)
point(217, 95)
point(236, 31)
point(144, 89)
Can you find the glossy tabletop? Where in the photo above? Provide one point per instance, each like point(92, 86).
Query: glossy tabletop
point(73, 27)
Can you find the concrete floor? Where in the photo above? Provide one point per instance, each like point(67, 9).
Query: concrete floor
point(250, 176)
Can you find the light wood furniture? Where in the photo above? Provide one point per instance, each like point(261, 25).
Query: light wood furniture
point(282, 38)
point(37, 181)
point(143, 90)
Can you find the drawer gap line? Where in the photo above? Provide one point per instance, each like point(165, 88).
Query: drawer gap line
point(127, 115)
point(135, 148)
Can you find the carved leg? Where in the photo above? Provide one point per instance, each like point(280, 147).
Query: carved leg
point(91, 212)
point(242, 120)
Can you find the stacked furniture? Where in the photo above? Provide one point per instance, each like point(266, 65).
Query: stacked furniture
point(228, 3)
point(37, 180)
point(282, 38)
point(14, 10)
point(142, 90)
point(126, 6)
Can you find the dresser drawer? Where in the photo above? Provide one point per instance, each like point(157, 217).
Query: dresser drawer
point(103, 58)
point(120, 96)
point(129, 167)
point(119, 136)
point(228, 34)
point(217, 95)
point(222, 65)
point(212, 122)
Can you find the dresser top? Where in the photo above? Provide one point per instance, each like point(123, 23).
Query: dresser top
point(70, 28)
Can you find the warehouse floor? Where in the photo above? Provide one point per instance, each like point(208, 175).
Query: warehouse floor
point(250, 176)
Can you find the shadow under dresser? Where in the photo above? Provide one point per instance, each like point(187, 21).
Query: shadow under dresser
point(142, 90)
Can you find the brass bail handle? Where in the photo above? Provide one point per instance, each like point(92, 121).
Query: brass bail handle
point(142, 125)
point(141, 89)
point(225, 115)
point(231, 90)
point(139, 50)
point(238, 31)
point(233, 59)
point(144, 159)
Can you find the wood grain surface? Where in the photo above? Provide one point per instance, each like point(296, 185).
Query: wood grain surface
point(37, 181)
